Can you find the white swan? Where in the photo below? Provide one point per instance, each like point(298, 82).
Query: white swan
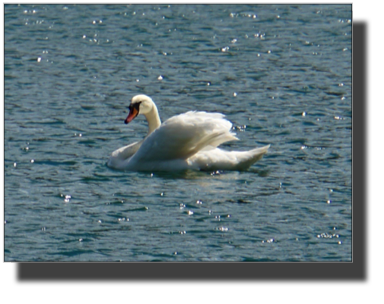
point(185, 141)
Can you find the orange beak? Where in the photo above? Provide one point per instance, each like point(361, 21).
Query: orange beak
point(133, 112)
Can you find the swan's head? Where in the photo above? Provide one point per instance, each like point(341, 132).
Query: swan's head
point(140, 104)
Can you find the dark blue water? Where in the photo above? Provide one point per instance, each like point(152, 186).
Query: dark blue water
point(280, 73)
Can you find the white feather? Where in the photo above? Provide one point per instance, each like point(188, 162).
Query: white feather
point(185, 141)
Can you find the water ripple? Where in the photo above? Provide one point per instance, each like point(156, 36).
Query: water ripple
point(280, 73)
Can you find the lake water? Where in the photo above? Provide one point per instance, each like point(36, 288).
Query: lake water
point(280, 73)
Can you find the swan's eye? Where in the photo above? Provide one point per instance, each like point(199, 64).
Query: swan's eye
point(135, 106)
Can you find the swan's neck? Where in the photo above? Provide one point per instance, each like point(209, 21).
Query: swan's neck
point(153, 119)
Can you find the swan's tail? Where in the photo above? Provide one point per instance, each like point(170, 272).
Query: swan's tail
point(248, 158)
point(218, 159)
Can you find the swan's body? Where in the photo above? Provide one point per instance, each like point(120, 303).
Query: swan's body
point(185, 141)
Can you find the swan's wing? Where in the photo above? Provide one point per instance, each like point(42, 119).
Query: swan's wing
point(184, 135)
point(119, 158)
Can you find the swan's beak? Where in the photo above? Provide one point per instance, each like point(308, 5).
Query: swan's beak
point(133, 112)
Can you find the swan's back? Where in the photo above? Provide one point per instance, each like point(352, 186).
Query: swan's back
point(184, 135)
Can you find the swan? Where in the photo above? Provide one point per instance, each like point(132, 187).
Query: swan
point(185, 141)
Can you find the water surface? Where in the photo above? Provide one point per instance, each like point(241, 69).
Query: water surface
point(280, 73)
